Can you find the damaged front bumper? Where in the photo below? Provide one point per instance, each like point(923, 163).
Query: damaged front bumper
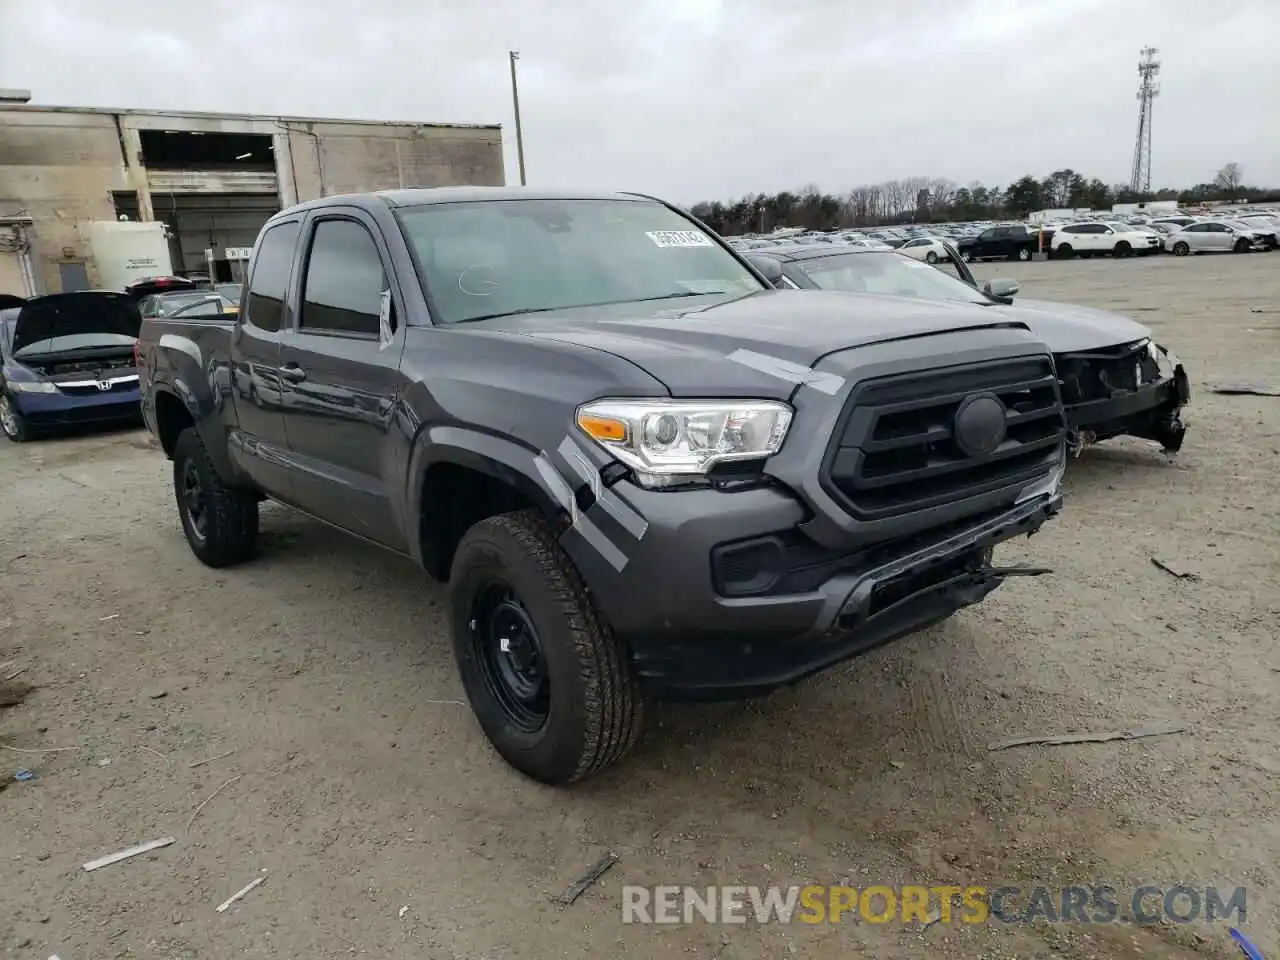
point(1149, 406)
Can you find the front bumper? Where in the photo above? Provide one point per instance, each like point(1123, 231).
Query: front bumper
point(46, 410)
point(1152, 412)
point(692, 642)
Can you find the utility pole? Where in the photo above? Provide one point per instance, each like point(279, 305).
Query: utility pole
point(515, 100)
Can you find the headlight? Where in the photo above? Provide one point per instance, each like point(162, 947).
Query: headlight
point(1164, 362)
point(666, 441)
point(31, 386)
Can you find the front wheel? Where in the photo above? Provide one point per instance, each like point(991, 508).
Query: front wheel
point(1122, 249)
point(221, 522)
point(551, 686)
point(931, 257)
point(1065, 251)
point(1242, 245)
point(1181, 249)
point(968, 257)
point(11, 421)
point(1024, 254)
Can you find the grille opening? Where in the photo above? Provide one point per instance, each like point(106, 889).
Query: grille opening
point(896, 451)
point(1103, 374)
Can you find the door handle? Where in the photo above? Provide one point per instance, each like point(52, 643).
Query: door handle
point(293, 373)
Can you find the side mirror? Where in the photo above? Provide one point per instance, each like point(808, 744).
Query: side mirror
point(769, 267)
point(1002, 288)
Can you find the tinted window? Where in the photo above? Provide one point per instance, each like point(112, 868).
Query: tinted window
point(1073, 229)
point(345, 280)
point(486, 258)
point(271, 276)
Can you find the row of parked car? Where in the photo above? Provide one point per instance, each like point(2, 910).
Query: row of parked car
point(1180, 234)
point(68, 358)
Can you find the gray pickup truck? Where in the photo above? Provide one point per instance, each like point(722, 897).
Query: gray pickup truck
point(641, 471)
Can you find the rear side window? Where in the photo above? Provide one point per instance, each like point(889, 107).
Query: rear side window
point(265, 302)
point(345, 280)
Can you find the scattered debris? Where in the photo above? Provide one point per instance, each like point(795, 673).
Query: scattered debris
point(579, 886)
point(196, 812)
point(226, 904)
point(1246, 946)
point(1180, 574)
point(1056, 740)
point(157, 753)
point(402, 912)
point(1246, 390)
point(897, 764)
point(25, 774)
point(16, 674)
point(12, 693)
point(128, 853)
point(110, 616)
point(104, 762)
point(201, 763)
point(456, 702)
point(157, 693)
point(5, 746)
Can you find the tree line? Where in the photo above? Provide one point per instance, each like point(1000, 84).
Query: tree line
point(935, 200)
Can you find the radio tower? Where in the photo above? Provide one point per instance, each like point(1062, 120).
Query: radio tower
point(1148, 90)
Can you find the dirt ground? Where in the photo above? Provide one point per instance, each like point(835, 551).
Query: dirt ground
point(387, 827)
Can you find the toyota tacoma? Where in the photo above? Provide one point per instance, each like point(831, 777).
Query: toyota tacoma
point(641, 471)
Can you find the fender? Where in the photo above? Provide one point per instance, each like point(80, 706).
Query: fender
point(502, 459)
point(205, 421)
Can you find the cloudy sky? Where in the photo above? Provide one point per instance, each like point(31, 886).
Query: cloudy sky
point(704, 99)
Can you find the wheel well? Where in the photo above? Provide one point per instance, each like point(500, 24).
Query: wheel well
point(171, 419)
point(454, 499)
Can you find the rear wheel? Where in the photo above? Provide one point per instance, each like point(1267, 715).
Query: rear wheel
point(1122, 249)
point(1181, 248)
point(11, 421)
point(551, 686)
point(931, 257)
point(1023, 254)
point(221, 522)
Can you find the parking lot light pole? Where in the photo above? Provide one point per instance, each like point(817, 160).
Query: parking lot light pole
point(514, 55)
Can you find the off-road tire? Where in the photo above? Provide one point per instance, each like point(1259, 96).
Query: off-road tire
point(597, 705)
point(232, 513)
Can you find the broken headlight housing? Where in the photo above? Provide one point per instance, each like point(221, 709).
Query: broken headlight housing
point(671, 442)
point(1165, 362)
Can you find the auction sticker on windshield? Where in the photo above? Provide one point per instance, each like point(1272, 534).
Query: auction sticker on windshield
point(679, 238)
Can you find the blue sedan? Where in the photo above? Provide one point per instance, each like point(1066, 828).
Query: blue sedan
point(68, 359)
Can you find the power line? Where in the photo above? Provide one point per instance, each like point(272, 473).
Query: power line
point(1148, 90)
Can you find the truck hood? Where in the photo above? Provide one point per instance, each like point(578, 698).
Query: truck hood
point(1066, 328)
point(72, 314)
point(687, 347)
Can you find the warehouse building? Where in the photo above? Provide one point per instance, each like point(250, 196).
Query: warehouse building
point(212, 179)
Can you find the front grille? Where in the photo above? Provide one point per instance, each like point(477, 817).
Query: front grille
point(894, 449)
point(90, 388)
point(1106, 374)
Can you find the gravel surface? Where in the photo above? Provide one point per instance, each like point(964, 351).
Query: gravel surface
point(320, 679)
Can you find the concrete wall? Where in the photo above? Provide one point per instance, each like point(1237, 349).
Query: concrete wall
point(61, 165)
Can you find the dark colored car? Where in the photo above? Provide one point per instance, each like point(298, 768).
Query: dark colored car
point(1014, 242)
point(1116, 380)
point(150, 286)
point(641, 471)
point(68, 360)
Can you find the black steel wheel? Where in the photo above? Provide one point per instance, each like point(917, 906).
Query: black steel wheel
point(220, 521)
point(552, 687)
point(509, 653)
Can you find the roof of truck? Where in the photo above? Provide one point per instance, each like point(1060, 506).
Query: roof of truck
point(420, 196)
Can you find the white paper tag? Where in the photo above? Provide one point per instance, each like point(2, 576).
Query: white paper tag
point(384, 320)
point(679, 238)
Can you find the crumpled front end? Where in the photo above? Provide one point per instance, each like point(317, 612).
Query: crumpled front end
point(1136, 389)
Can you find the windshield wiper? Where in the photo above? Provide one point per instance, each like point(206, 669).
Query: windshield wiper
point(582, 306)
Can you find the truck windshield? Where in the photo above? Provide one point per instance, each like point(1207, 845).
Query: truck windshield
point(890, 273)
point(491, 258)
